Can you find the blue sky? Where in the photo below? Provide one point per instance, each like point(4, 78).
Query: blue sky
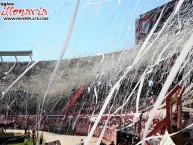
point(102, 26)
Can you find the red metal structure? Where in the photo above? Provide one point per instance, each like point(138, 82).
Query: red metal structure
point(146, 21)
point(173, 97)
point(73, 100)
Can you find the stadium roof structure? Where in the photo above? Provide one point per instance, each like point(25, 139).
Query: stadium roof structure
point(16, 53)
